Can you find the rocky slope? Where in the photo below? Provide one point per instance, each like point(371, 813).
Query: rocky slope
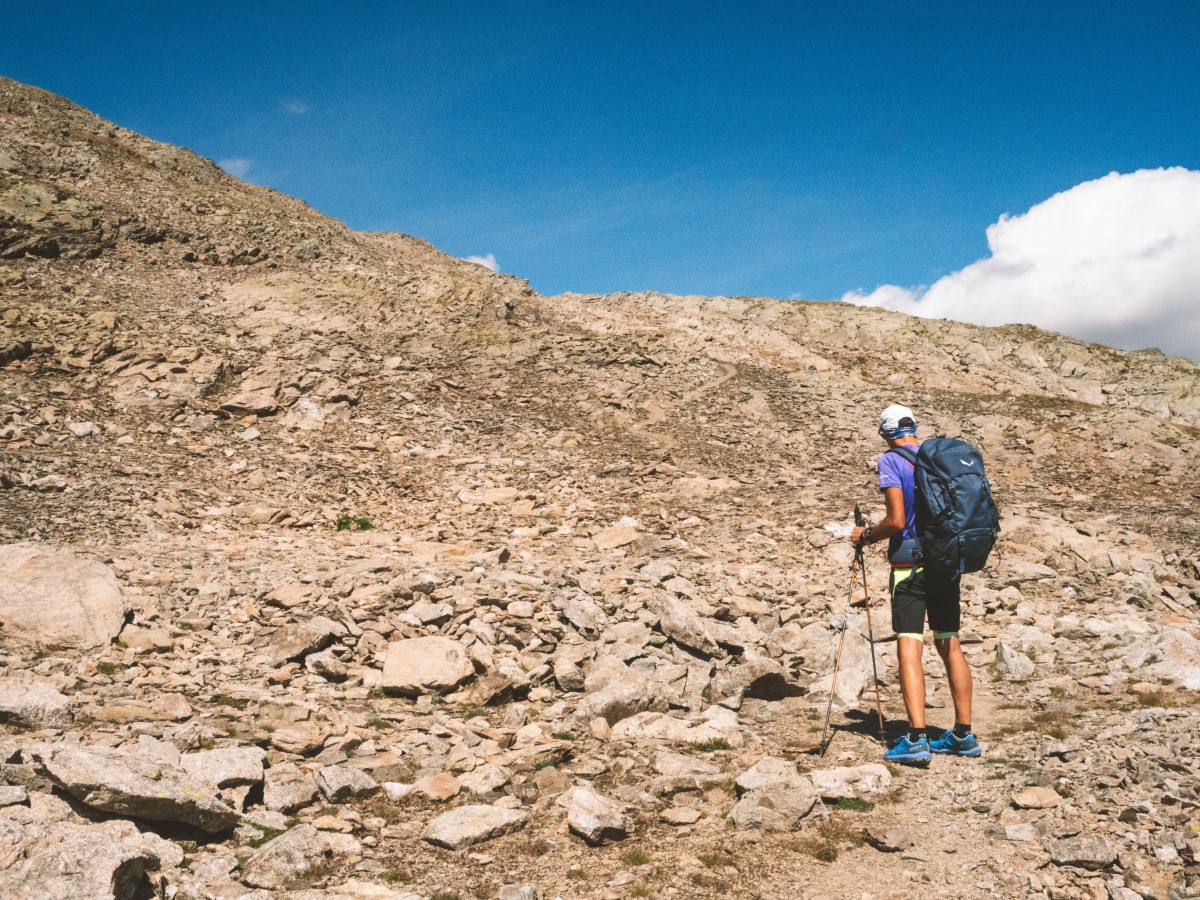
point(334, 567)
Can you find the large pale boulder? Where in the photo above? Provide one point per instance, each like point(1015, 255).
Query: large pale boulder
point(592, 816)
point(128, 784)
point(852, 782)
point(49, 597)
point(425, 665)
point(286, 858)
point(33, 704)
point(108, 861)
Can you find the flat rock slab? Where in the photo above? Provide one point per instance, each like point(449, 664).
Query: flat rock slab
point(425, 665)
point(467, 826)
point(52, 598)
point(225, 766)
point(1036, 798)
point(33, 704)
point(129, 785)
point(1084, 851)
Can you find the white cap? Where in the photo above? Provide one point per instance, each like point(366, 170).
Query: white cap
point(890, 419)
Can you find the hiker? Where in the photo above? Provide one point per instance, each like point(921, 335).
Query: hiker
point(918, 591)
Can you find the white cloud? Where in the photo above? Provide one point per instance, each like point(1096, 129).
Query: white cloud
point(237, 167)
point(488, 262)
point(1115, 260)
point(295, 107)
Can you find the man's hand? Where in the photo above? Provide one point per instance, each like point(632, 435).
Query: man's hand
point(856, 536)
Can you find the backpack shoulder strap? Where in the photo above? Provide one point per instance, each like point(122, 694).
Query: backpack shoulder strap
point(905, 452)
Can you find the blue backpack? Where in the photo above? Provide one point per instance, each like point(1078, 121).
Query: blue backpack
point(957, 519)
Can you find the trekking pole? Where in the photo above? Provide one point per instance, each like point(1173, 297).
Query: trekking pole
point(859, 562)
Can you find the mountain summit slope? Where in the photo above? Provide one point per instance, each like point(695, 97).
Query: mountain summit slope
point(324, 552)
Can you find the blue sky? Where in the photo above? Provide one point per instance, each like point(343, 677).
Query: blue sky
point(774, 149)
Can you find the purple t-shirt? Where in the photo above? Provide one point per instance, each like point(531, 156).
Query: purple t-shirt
point(896, 471)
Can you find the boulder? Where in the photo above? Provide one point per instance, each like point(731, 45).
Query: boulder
point(342, 783)
point(861, 782)
point(683, 625)
point(1013, 664)
point(50, 597)
point(592, 816)
point(768, 771)
point(888, 839)
point(470, 825)
point(298, 639)
point(127, 784)
point(616, 692)
point(108, 861)
point(776, 807)
point(285, 858)
point(425, 665)
point(757, 677)
point(1036, 798)
point(33, 704)
point(286, 788)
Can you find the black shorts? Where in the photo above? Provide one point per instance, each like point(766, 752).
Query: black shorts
point(924, 593)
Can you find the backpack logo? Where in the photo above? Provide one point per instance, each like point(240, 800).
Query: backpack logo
point(967, 462)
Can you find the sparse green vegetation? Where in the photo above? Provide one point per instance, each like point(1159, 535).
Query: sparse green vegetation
point(445, 895)
point(353, 523)
point(635, 857)
point(238, 703)
point(826, 842)
point(853, 804)
point(640, 890)
point(108, 667)
point(716, 860)
point(712, 744)
point(556, 757)
point(396, 876)
point(565, 736)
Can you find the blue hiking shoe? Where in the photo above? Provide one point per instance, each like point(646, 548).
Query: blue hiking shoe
point(956, 746)
point(909, 753)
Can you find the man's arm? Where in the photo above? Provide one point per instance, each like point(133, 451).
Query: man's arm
point(893, 522)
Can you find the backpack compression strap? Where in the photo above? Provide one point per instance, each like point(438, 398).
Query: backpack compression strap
point(905, 452)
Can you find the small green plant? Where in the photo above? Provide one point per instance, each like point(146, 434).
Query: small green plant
point(353, 523)
point(639, 890)
point(268, 833)
point(635, 858)
point(396, 876)
point(379, 724)
point(565, 736)
point(445, 895)
point(853, 804)
point(555, 757)
point(715, 860)
point(238, 703)
point(713, 744)
point(108, 667)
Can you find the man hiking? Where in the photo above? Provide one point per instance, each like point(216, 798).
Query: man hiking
point(918, 591)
